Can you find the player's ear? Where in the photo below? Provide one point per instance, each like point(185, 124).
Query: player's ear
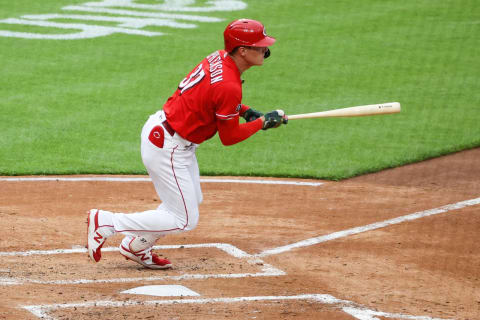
point(242, 51)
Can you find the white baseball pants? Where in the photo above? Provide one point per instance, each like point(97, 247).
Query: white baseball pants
point(174, 171)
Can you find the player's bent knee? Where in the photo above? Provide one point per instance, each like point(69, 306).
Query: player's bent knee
point(192, 223)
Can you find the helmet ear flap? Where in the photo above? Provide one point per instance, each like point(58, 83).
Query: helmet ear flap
point(267, 54)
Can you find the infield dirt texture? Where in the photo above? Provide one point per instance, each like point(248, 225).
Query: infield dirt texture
point(252, 263)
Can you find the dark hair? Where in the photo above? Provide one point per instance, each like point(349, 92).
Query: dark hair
point(233, 51)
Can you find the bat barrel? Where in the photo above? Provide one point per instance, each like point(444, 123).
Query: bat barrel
point(358, 111)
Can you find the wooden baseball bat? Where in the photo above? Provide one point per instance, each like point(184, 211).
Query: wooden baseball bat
point(367, 110)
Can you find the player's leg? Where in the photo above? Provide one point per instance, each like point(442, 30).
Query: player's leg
point(169, 169)
point(99, 228)
point(103, 224)
point(139, 249)
point(176, 187)
point(175, 175)
point(195, 175)
point(178, 212)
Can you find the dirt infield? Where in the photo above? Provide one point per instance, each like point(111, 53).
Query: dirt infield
point(399, 244)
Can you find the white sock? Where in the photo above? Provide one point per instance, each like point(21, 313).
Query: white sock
point(140, 243)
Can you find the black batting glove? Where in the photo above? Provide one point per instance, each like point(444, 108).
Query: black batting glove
point(274, 119)
point(251, 115)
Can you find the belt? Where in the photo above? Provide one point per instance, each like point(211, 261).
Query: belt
point(168, 128)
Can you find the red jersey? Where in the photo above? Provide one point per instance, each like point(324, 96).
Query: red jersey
point(211, 91)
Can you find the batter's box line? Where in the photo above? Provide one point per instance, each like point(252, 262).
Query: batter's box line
point(353, 309)
point(267, 270)
point(370, 227)
point(147, 179)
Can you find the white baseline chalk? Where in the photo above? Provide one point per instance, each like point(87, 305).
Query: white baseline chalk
point(373, 226)
point(228, 248)
point(349, 307)
point(146, 179)
point(267, 270)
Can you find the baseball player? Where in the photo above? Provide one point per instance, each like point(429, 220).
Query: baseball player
point(207, 101)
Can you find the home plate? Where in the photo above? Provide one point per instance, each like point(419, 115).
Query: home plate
point(162, 291)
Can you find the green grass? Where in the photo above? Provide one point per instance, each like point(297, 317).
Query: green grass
point(77, 106)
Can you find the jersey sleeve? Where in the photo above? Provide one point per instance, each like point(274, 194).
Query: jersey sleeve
point(231, 132)
point(243, 108)
point(227, 99)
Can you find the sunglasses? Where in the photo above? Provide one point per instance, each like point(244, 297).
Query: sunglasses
point(264, 50)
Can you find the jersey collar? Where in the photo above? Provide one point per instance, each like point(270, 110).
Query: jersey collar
point(231, 64)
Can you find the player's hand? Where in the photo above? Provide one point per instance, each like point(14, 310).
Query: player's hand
point(274, 119)
point(251, 115)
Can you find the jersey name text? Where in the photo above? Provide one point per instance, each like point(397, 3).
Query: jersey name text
point(216, 67)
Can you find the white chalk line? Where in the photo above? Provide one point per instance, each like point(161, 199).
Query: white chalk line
point(145, 179)
point(228, 248)
point(11, 282)
point(267, 270)
point(370, 227)
point(359, 312)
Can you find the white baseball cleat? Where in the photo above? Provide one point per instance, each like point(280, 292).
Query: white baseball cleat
point(96, 235)
point(146, 258)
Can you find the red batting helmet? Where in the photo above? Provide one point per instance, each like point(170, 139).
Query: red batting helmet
point(246, 32)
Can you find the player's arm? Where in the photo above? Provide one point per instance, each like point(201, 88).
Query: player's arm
point(249, 114)
point(243, 109)
point(227, 97)
point(232, 132)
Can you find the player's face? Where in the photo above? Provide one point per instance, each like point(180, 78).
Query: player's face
point(255, 55)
